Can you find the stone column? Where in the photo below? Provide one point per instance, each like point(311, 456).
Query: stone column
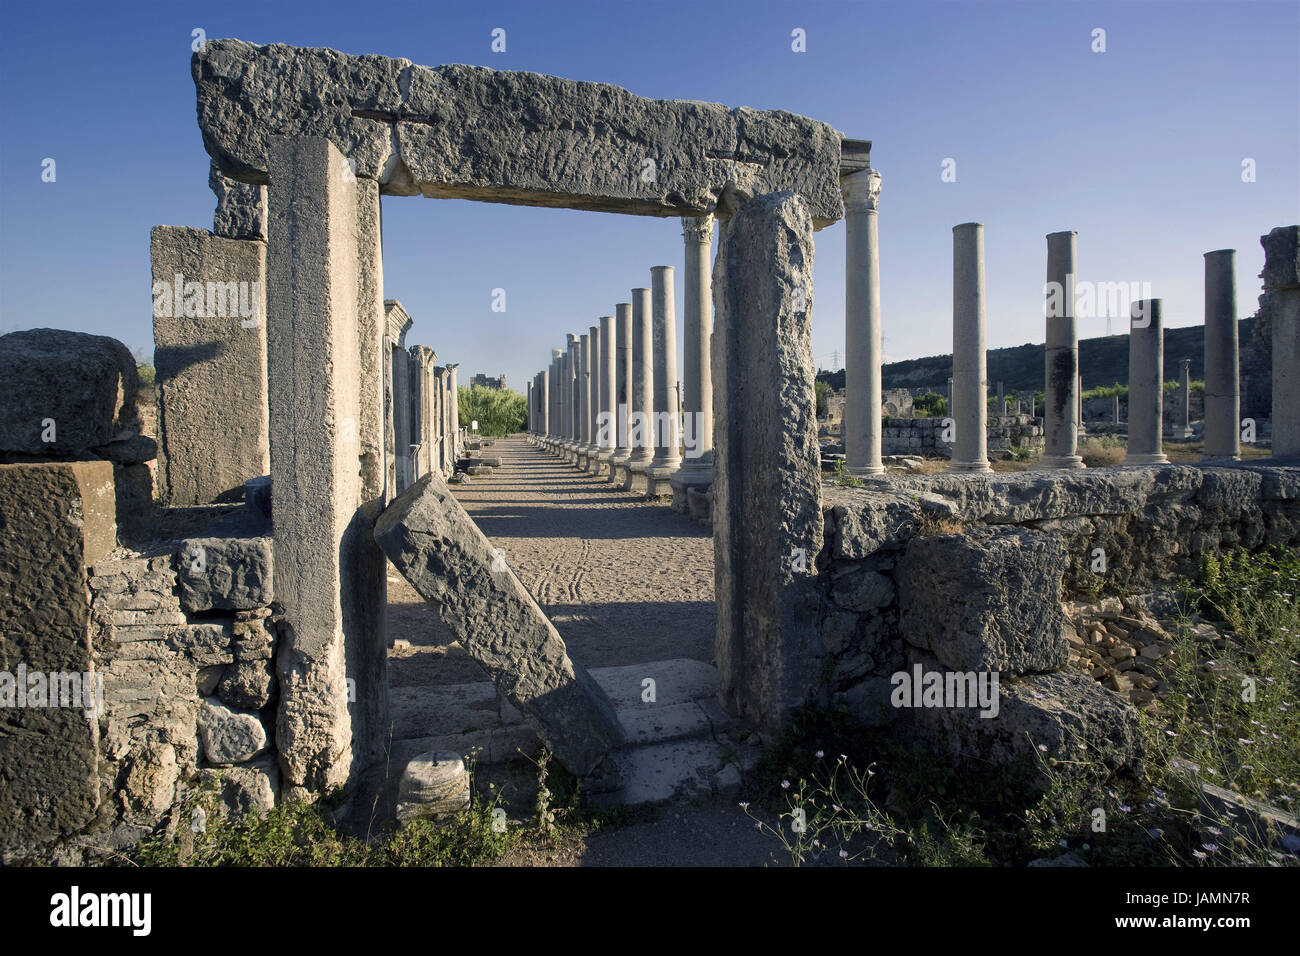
point(970, 382)
point(641, 421)
point(333, 606)
point(566, 394)
point(1061, 405)
point(623, 390)
point(584, 401)
point(571, 421)
point(1146, 384)
point(557, 389)
point(1222, 418)
point(862, 352)
point(453, 397)
point(1282, 286)
point(1183, 426)
point(593, 404)
point(397, 398)
point(420, 357)
point(697, 379)
point(608, 430)
point(664, 466)
point(767, 513)
point(530, 408)
point(544, 403)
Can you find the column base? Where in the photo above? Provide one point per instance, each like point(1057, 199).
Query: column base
point(634, 478)
point(1147, 459)
point(618, 461)
point(862, 471)
point(683, 481)
point(970, 467)
point(658, 481)
point(602, 464)
point(1058, 463)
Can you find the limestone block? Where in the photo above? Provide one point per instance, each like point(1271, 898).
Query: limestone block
point(228, 735)
point(76, 390)
point(429, 130)
point(241, 208)
point(56, 520)
point(210, 356)
point(1040, 717)
point(1281, 258)
point(249, 789)
point(987, 600)
point(767, 483)
point(438, 548)
point(219, 573)
point(433, 786)
point(248, 685)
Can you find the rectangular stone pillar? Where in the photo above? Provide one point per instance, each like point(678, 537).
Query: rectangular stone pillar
point(1282, 285)
point(209, 329)
point(333, 623)
point(397, 397)
point(767, 519)
point(1222, 408)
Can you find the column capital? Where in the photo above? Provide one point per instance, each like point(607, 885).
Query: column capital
point(698, 228)
point(861, 190)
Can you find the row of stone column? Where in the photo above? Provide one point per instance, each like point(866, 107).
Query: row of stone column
point(434, 441)
point(1062, 415)
point(611, 402)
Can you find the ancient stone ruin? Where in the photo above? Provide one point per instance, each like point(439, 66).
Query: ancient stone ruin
point(234, 630)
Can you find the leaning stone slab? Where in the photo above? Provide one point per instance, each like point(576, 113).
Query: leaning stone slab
point(65, 393)
point(989, 600)
point(474, 133)
point(438, 548)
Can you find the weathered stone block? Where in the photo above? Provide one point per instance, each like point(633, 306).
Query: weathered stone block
point(228, 735)
point(65, 393)
point(209, 328)
point(988, 600)
point(438, 548)
point(249, 789)
point(433, 786)
point(1281, 258)
point(56, 520)
point(767, 481)
point(426, 130)
point(248, 685)
point(230, 574)
point(241, 208)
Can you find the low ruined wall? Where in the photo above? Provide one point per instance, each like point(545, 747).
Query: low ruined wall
point(967, 574)
point(174, 652)
point(925, 436)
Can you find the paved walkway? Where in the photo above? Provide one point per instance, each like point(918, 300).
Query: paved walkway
point(624, 581)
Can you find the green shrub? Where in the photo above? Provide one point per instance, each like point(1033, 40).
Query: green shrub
point(498, 411)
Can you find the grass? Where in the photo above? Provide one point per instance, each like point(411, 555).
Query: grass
point(842, 792)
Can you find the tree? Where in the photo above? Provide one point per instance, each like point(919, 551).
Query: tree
point(498, 411)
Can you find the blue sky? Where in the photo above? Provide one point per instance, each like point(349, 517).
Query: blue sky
point(1139, 149)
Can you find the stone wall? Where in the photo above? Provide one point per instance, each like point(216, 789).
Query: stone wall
point(924, 436)
point(968, 574)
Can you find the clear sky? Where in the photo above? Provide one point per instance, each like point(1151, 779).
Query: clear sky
point(1139, 149)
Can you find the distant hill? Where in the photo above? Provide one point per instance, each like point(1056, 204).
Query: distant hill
point(1103, 361)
